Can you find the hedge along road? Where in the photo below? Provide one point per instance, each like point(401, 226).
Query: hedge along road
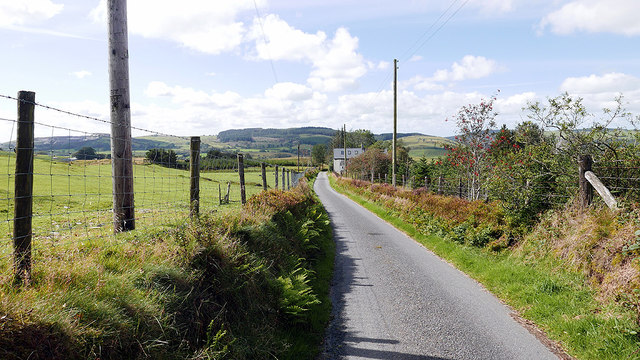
point(394, 299)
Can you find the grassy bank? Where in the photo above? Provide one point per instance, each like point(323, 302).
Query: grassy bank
point(541, 284)
point(237, 285)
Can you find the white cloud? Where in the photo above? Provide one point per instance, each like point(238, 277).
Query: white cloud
point(383, 65)
point(471, 67)
point(339, 66)
point(81, 74)
point(207, 26)
point(289, 91)
point(593, 84)
point(191, 97)
point(619, 17)
point(599, 92)
point(21, 12)
point(284, 42)
point(511, 107)
point(493, 6)
point(415, 58)
point(336, 64)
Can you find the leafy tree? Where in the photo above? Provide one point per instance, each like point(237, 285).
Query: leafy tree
point(576, 131)
point(87, 153)
point(373, 161)
point(319, 154)
point(471, 153)
point(355, 139)
point(162, 157)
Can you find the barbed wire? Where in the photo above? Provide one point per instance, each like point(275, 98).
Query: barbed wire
point(87, 117)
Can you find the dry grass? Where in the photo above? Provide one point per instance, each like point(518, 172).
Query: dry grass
point(591, 241)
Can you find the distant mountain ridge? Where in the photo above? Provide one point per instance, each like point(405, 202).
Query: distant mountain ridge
point(259, 142)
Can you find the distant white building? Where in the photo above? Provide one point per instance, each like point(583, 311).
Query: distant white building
point(338, 157)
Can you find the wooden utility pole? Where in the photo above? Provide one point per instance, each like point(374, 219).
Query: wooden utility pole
point(243, 194)
point(395, 122)
point(23, 188)
point(194, 167)
point(263, 168)
point(298, 157)
point(121, 154)
point(344, 135)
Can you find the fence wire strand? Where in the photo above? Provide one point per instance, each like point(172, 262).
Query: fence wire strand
point(72, 197)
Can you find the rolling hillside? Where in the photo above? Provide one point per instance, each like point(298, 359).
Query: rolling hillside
point(257, 142)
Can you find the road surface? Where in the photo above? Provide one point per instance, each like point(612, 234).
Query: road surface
point(393, 299)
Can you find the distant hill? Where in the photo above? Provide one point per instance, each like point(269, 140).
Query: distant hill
point(99, 142)
point(255, 142)
point(389, 136)
point(425, 145)
point(302, 135)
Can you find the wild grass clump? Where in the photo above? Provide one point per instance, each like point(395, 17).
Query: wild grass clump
point(245, 285)
point(475, 223)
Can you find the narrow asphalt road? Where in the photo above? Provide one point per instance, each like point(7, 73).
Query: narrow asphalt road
point(393, 299)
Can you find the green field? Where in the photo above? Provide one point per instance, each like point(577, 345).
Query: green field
point(425, 146)
point(73, 200)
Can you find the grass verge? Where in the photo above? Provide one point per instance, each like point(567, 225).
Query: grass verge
point(559, 301)
point(243, 285)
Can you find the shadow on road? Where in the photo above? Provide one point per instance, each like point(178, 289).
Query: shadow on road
point(339, 342)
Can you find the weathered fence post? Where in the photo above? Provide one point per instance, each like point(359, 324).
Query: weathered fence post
point(283, 179)
point(263, 168)
point(586, 192)
point(386, 176)
point(23, 188)
point(243, 195)
point(439, 185)
point(194, 167)
point(277, 175)
point(121, 153)
point(460, 188)
point(426, 183)
point(288, 179)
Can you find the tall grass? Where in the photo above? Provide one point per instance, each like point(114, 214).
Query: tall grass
point(244, 284)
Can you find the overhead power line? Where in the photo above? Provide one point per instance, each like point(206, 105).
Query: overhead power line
point(439, 28)
point(266, 44)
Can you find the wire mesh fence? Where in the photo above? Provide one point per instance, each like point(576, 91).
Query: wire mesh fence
point(621, 177)
point(73, 185)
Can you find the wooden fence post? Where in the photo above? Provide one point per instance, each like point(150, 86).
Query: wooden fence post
point(283, 178)
point(276, 186)
point(194, 167)
point(263, 168)
point(23, 188)
point(460, 188)
point(243, 195)
point(439, 185)
point(121, 152)
point(288, 179)
point(586, 191)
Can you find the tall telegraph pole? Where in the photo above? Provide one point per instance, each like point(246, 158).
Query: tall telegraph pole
point(121, 154)
point(344, 138)
point(395, 121)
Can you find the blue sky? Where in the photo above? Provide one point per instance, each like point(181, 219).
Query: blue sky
point(198, 67)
